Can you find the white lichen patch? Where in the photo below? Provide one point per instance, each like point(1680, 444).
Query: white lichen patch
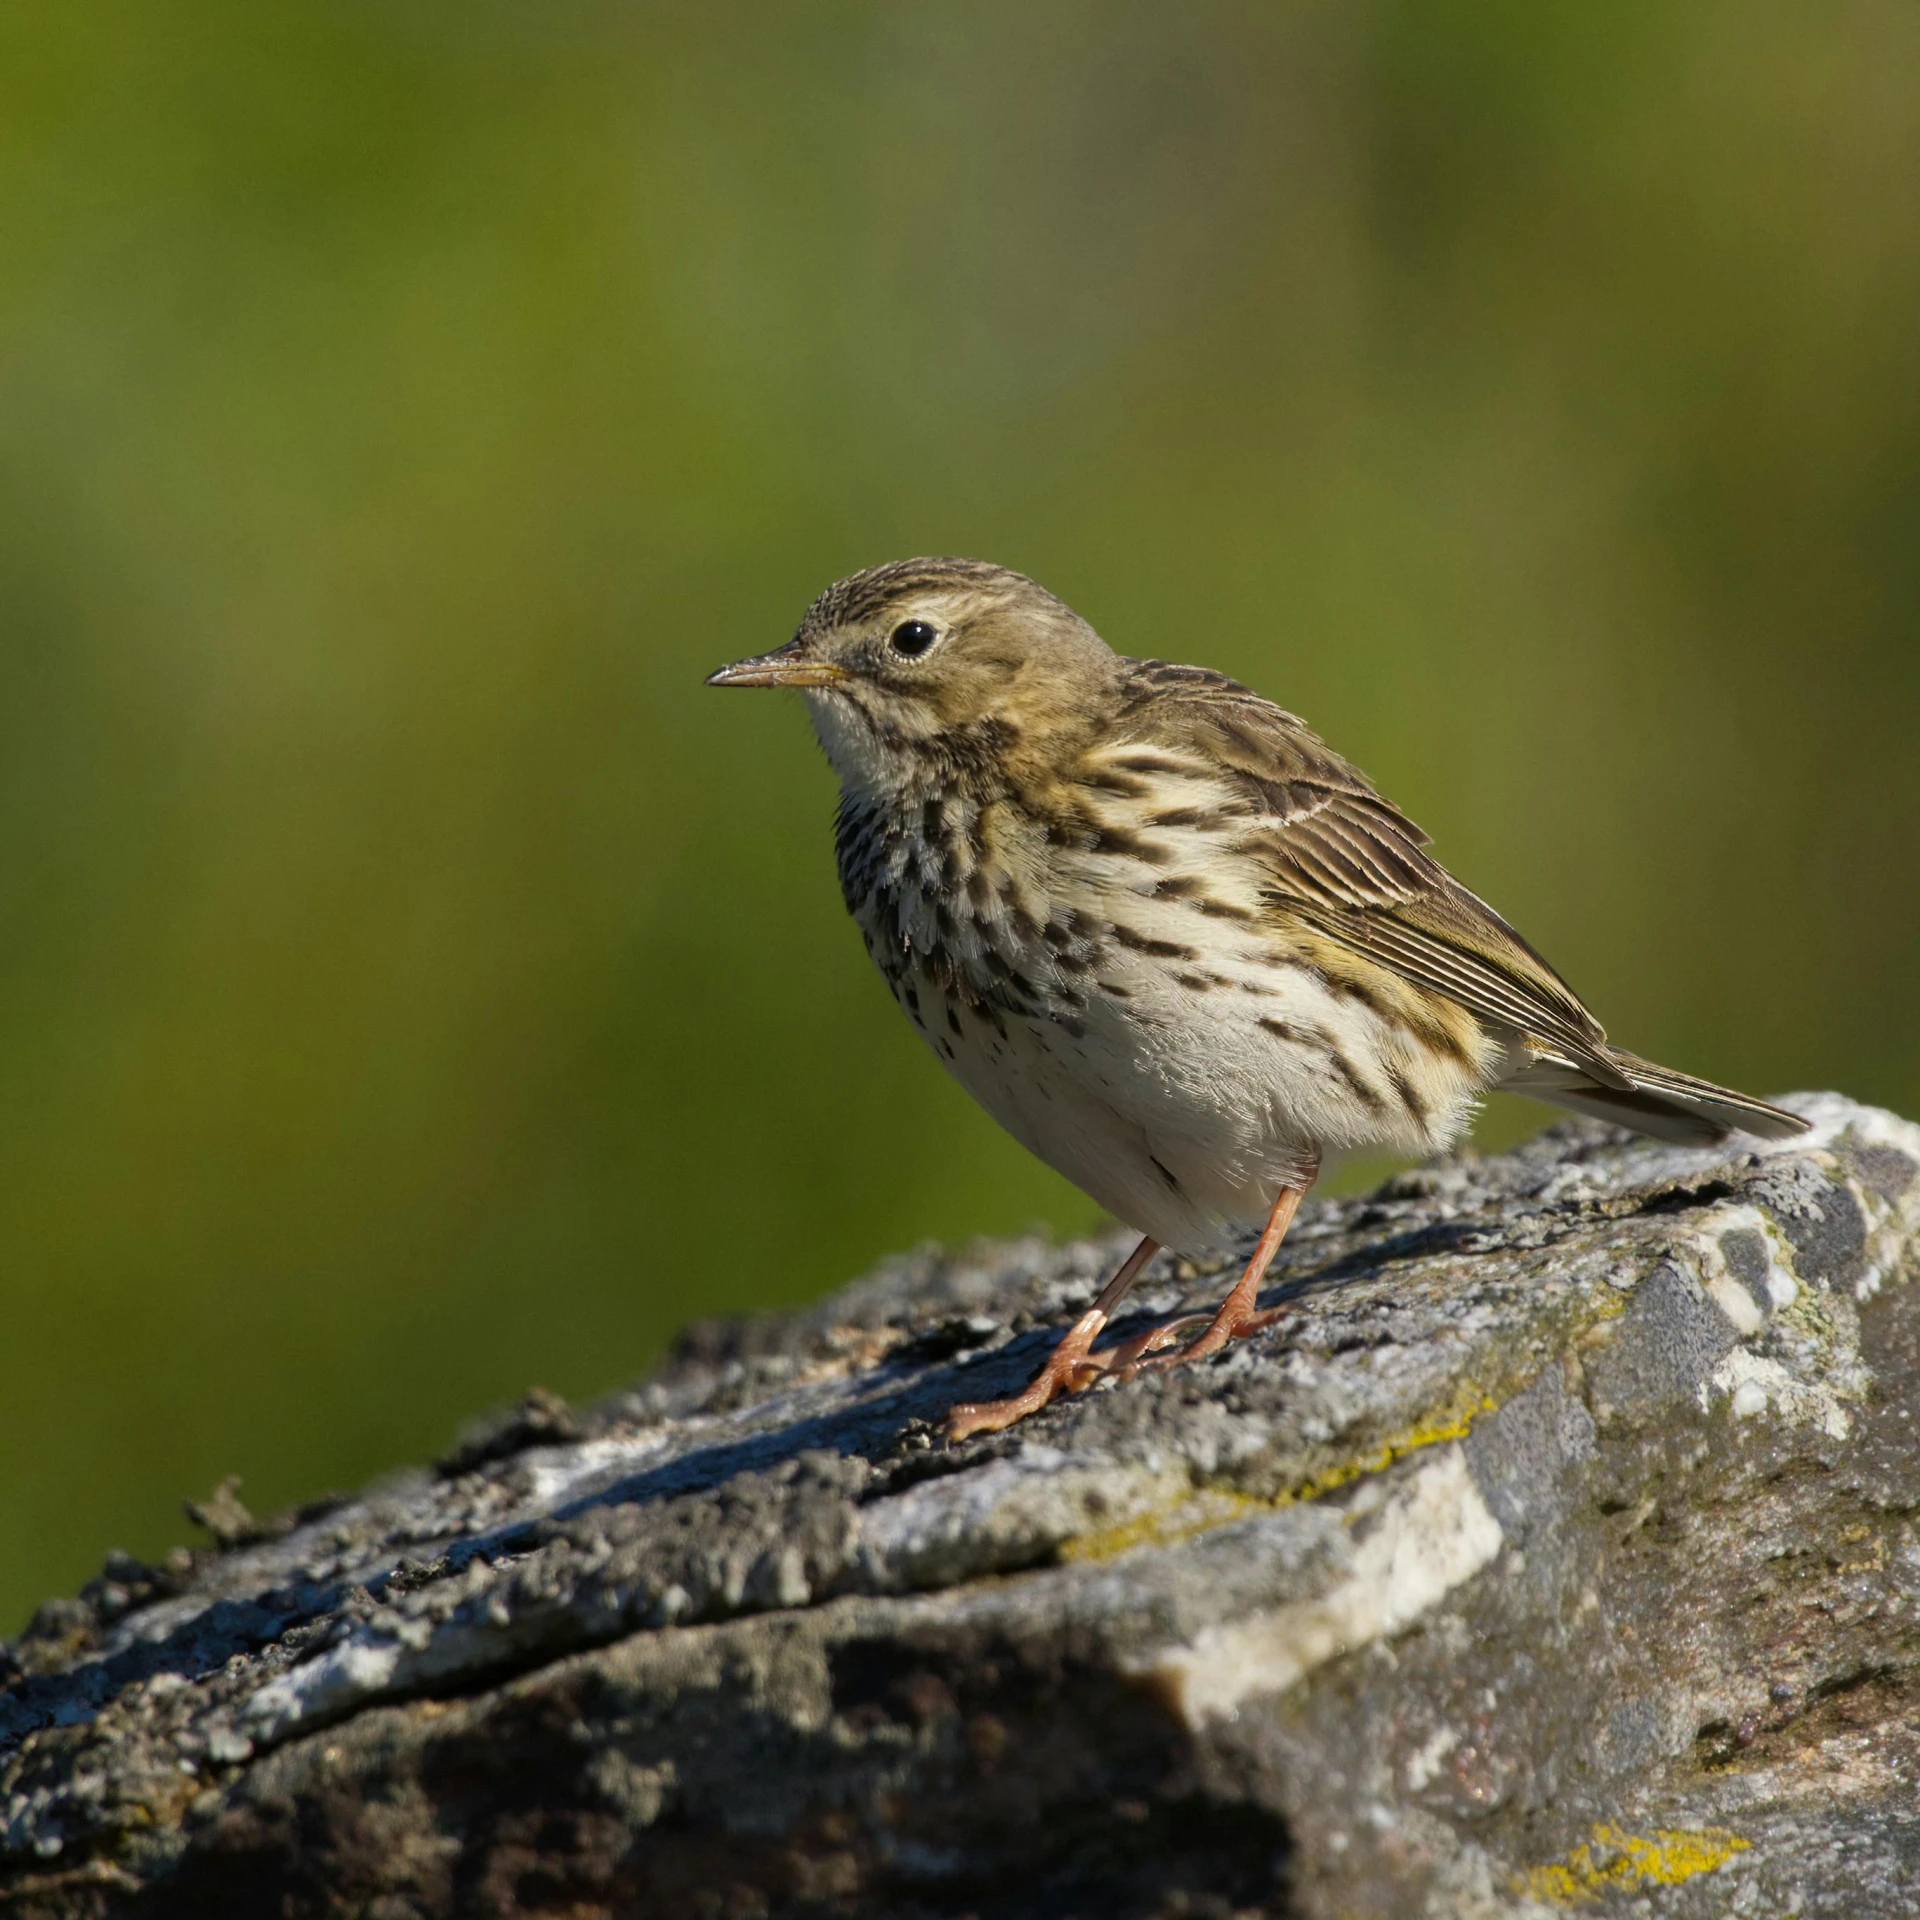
point(1839, 1124)
point(1831, 1116)
point(360, 1666)
point(1799, 1360)
point(1424, 1764)
point(562, 1473)
point(1736, 1303)
point(1890, 1234)
point(1755, 1385)
point(1434, 1532)
point(1745, 1298)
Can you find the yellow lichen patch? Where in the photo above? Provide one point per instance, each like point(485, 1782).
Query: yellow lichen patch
point(1163, 1526)
point(1455, 1423)
point(1212, 1507)
point(1615, 1860)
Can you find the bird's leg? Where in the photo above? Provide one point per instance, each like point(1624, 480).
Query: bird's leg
point(1065, 1364)
point(1073, 1365)
point(1238, 1315)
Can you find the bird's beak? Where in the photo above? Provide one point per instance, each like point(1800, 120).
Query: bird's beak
point(785, 667)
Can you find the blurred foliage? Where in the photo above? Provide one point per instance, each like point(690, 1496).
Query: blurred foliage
point(416, 986)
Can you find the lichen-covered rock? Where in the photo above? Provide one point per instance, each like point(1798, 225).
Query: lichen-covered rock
point(1557, 1550)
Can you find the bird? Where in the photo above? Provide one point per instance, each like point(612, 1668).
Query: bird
point(1167, 937)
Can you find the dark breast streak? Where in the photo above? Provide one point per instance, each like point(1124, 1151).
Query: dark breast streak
point(936, 906)
point(963, 947)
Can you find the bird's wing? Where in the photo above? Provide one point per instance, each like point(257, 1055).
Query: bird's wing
point(1349, 862)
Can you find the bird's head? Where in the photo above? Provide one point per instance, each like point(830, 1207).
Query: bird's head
point(930, 662)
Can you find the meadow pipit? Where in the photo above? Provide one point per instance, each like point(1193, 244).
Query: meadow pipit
point(1171, 941)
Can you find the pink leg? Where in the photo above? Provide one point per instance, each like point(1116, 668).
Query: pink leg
point(1238, 1316)
point(1064, 1365)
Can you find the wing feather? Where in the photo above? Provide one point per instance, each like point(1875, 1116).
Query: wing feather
point(1351, 864)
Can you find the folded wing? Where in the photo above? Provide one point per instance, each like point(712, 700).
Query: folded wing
point(1349, 863)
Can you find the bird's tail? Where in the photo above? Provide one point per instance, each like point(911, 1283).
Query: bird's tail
point(1656, 1100)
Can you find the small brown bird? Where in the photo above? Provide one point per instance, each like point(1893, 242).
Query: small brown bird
point(1169, 939)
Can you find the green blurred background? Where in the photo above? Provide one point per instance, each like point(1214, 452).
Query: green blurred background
point(416, 986)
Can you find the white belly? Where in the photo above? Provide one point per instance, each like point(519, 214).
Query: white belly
point(1183, 1094)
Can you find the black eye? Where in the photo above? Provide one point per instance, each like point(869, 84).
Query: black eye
point(911, 638)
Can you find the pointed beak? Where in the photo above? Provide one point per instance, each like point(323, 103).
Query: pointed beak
point(785, 667)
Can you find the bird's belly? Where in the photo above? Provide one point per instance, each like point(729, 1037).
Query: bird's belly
point(1181, 1094)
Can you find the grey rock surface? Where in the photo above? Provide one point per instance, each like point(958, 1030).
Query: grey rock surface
point(1556, 1551)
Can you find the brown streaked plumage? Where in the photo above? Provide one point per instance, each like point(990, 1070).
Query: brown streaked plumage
point(1172, 941)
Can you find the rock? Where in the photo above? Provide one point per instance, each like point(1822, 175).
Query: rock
point(1557, 1550)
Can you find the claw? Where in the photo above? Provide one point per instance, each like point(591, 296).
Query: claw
point(1219, 1334)
point(1124, 1361)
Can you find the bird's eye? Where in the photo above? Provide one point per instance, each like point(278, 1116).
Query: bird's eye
point(911, 638)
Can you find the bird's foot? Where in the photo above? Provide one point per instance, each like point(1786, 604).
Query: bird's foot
point(1234, 1321)
point(1122, 1362)
point(1073, 1366)
point(1070, 1368)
